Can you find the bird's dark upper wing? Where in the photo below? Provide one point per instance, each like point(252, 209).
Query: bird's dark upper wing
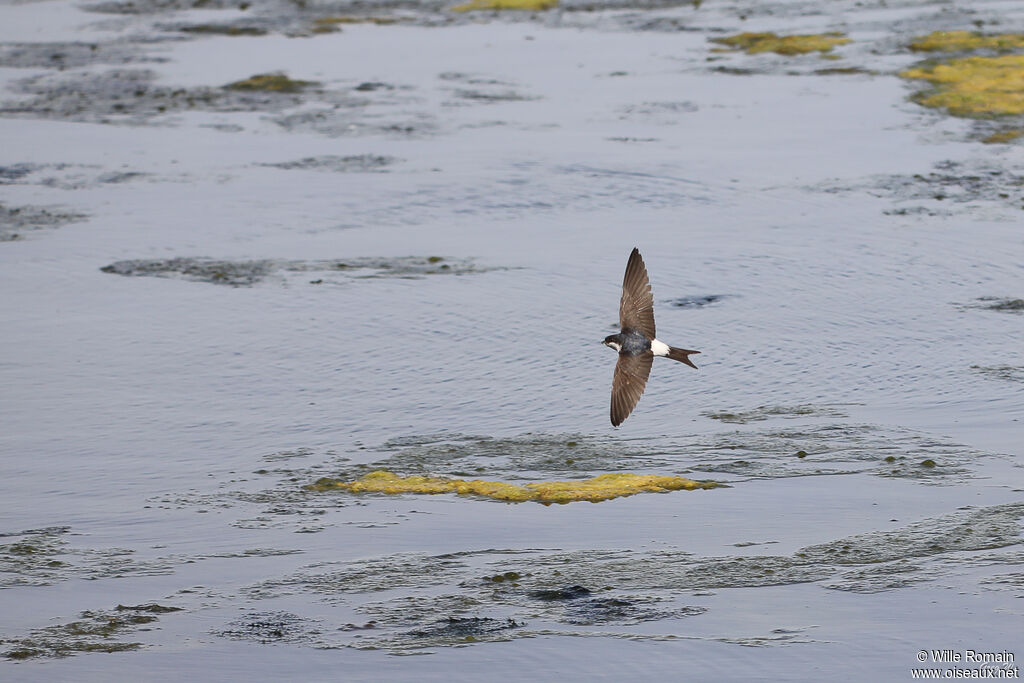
point(636, 309)
point(628, 384)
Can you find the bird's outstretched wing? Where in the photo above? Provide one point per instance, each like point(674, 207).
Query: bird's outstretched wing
point(636, 309)
point(631, 374)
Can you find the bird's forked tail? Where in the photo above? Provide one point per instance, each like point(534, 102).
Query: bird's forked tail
point(681, 355)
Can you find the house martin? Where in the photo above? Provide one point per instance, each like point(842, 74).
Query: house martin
point(636, 342)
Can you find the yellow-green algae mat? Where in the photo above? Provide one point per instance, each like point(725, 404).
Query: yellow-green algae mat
point(522, 5)
point(801, 44)
point(594, 490)
point(964, 41)
point(973, 86)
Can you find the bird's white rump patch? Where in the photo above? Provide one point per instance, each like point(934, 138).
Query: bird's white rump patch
point(659, 348)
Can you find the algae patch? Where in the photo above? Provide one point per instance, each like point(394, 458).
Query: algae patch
point(468, 629)
point(328, 24)
point(1011, 373)
point(479, 89)
point(594, 490)
point(1002, 136)
point(36, 559)
point(275, 82)
point(452, 464)
point(94, 631)
point(43, 557)
point(973, 86)
point(527, 457)
point(521, 5)
point(966, 41)
point(336, 121)
point(66, 176)
point(625, 610)
point(999, 304)
point(15, 221)
point(666, 113)
point(66, 55)
point(837, 449)
point(437, 600)
point(223, 30)
point(828, 449)
point(134, 95)
point(234, 273)
point(247, 273)
point(951, 187)
point(697, 300)
point(270, 627)
point(358, 163)
point(766, 412)
point(800, 44)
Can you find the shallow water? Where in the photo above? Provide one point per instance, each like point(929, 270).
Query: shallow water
point(409, 265)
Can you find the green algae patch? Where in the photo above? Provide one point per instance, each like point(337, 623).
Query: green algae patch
point(93, 631)
point(328, 22)
point(613, 485)
point(1002, 136)
point(997, 303)
point(16, 221)
point(465, 629)
point(801, 44)
point(977, 87)
point(424, 601)
point(270, 627)
point(843, 70)
point(333, 24)
point(594, 490)
point(525, 5)
point(276, 82)
point(1013, 373)
point(247, 273)
point(37, 559)
point(224, 30)
point(965, 41)
point(768, 412)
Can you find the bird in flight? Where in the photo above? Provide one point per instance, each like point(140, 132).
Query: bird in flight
point(636, 342)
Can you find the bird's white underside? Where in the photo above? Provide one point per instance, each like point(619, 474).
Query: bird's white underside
point(658, 347)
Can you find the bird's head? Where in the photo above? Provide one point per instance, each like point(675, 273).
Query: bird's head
point(612, 341)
